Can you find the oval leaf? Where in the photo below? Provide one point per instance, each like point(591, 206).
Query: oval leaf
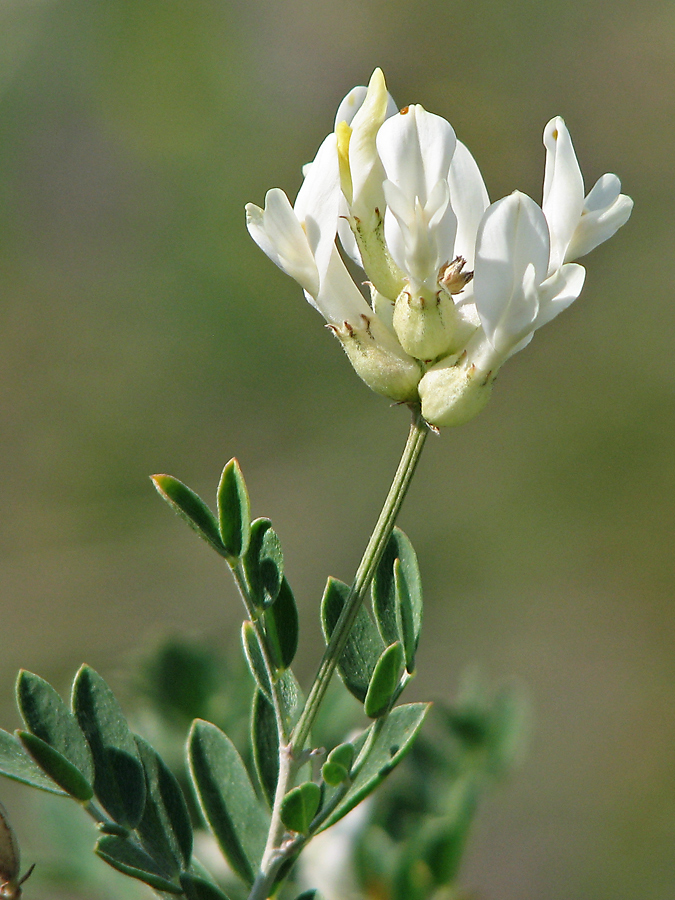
point(227, 798)
point(190, 507)
point(385, 681)
point(119, 779)
point(57, 767)
point(130, 859)
point(333, 773)
point(395, 739)
point(264, 563)
point(234, 513)
point(299, 807)
point(16, 764)
point(397, 602)
point(265, 742)
point(165, 829)
point(364, 645)
point(282, 627)
point(48, 718)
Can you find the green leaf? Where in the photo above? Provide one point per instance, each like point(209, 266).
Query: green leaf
point(119, 780)
point(281, 627)
point(130, 859)
point(234, 513)
point(57, 767)
point(227, 798)
point(364, 645)
point(265, 742)
point(385, 681)
point(396, 735)
point(299, 807)
point(48, 718)
point(254, 658)
point(190, 507)
point(196, 888)
point(397, 595)
point(16, 764)
point(165, 829)
point(337, 767)
point(264, 563)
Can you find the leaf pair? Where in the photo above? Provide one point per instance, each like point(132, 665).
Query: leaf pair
point(377, 653)
point(230, 532)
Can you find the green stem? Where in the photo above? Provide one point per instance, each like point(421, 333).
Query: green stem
point(364, 575)
point(290, 754)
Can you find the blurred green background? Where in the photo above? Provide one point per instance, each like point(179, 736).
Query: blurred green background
point(141, 330)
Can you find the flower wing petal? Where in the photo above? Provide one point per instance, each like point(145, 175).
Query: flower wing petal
point(563, 189)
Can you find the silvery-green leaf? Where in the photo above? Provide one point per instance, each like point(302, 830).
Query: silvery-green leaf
point(265, 741)
point(126, 857)
point(227, 798)
point(364, 645)
point(165, 829)
point(196, 888)
point(16, 764)
point(57, 767)
point(281, 627)
point(119, 780)
point(299, 807)
point(190, 507)
point(48, 718)
point(385, 681)
point(264, 563)
point(234, 514)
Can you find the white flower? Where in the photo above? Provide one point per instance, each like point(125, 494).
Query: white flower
point(456, 286)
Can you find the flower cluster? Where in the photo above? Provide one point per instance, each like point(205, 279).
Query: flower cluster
point(457, 285)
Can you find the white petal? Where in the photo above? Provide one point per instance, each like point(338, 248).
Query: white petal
point(469, 199)
point(350, 105)
point(597, 225)
point(563, 189)
point(367, 173)
point(416, 149)
point(511, 260)
point(559, 291)
point(338, 299)
point(279, 234)
point(603, 193)
point(318, 202)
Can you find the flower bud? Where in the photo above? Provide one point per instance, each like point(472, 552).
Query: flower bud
point(452, 394)
point(425, 323)
point(378, 359)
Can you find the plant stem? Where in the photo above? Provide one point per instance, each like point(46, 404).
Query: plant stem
point(290, 754)
point(364, 575)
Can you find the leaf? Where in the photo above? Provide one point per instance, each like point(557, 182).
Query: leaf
point(385, 681)
point(48, 718)
point(119, 780)
point(192, 508)
point(234, 513)
point(299, 807)
point(196, 888)
point(130, 859)
point(61, 770)
point(265, 741)
point(254, 658)
point(264, 563)
point(281, 627)
point(227, 798)
point(165, 829)
point(16, 764)
point(396, 735)
point(364, 645)
point(397, 598)
point(338, 765)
